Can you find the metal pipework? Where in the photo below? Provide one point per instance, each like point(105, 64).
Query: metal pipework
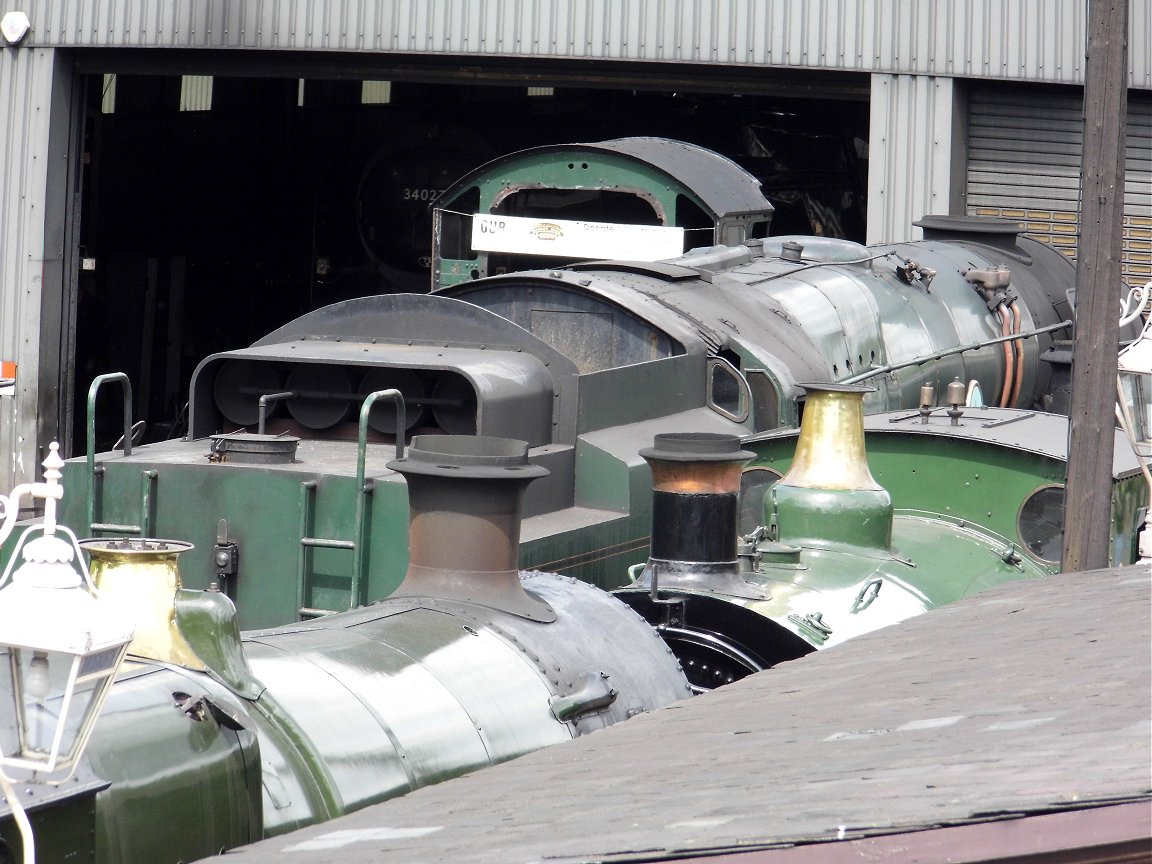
point(960, 349)
point(262, 406)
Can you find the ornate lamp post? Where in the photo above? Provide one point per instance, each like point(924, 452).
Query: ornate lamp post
point(1134, 405)
point(59, 650)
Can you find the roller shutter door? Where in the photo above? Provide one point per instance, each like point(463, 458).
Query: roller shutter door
point(1024, 164)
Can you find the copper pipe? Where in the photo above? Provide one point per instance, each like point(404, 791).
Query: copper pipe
point(1009, 365)
point(1018, 351)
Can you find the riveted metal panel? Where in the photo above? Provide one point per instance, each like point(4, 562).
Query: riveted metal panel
point(1011, 39)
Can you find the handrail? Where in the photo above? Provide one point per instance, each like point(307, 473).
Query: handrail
point(363, 487)
point(93, 469)
point(920, 361)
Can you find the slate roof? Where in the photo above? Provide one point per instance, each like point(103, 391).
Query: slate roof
point(1032, 698)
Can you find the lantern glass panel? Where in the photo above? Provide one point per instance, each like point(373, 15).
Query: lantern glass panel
point(1137, 394)
point(60, 696)
point(9, 706)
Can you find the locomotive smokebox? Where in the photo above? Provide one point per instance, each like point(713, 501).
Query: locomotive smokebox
point(465, 494)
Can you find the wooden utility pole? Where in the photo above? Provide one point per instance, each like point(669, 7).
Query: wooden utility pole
point(1098, 278)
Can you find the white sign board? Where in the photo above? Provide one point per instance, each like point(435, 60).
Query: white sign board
point(575, 239)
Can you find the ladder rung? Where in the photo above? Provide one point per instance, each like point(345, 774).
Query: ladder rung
point(324, 543)
point(120, 529)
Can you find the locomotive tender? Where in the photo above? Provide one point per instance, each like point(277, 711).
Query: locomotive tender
point(586, 363)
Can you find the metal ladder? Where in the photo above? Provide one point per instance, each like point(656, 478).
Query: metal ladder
point(358, 545)
point(95, 473)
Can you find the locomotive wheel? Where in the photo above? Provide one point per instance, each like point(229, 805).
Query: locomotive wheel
point(708, 659)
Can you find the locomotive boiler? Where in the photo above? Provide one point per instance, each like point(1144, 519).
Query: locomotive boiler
point(212, 738)
point(972, 497)
point(586, 363)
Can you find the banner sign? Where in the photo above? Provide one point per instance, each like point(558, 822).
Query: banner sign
point(575, 239)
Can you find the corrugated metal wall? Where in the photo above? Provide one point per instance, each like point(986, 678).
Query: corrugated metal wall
point(1024, 163)
point(910, 153)
point(914, 47)
point(25, 105)
point(1039, 40)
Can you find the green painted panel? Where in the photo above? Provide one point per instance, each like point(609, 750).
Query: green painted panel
point(579, 169)
point(264, 512)
point(971, 481)
point(654, 389)
point(966, 480)
point(599, 553)
point(218, 783)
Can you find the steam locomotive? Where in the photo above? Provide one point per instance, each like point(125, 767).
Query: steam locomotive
point(285, 493)
point(379, 598)
point(241, 736)
point(469, 662)
point(853, 524)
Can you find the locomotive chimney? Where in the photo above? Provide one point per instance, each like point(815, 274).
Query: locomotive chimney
point(829, 498)
point(695, 506)
point(140, 577)
point(465, 494)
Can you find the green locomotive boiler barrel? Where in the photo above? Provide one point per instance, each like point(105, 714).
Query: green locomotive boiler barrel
point(370, 704)
point(182, 761)
point(835, 555)
point(468, 664)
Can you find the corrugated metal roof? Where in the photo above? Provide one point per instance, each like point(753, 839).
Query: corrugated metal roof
point(1024, 153)
point(1010, 39)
